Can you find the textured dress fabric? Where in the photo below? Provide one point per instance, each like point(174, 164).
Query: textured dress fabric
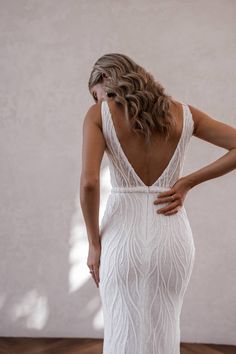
point(146, 258)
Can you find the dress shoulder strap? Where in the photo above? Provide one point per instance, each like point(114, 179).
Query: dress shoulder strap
point(189, 121)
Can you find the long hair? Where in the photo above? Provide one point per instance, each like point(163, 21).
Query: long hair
point(145, 102)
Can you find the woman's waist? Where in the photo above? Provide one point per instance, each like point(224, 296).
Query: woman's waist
point(139, 189)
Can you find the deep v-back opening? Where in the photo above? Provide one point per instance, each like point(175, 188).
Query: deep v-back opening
point(125, 156)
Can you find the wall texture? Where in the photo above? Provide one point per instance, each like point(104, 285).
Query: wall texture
point(47, 51)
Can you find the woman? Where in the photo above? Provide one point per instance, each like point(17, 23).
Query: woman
point(142, 256)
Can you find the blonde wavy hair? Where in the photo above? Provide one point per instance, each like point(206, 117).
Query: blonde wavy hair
point(145, 102)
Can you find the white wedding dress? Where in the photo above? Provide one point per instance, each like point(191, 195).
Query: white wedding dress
point(146, 258)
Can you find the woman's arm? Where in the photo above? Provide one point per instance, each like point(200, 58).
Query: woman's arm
point(93, 148)
point(217, 133)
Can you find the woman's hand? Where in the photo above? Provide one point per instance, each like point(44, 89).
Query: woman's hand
point(93, 261)
point(176, 196)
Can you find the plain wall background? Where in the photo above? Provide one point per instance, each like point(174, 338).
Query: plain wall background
point(47, 51)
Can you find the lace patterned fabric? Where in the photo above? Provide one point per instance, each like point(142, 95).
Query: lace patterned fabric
point(146, 258)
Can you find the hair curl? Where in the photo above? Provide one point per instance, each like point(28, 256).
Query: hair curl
point(146, 104)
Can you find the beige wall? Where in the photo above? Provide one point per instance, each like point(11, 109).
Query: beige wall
point(47, 51)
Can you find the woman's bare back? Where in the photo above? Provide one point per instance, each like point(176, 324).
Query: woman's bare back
point(149, 161)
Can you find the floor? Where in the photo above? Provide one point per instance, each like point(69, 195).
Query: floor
point(9, 345)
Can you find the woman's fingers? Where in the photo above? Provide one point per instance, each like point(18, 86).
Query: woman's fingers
point(166, 196)
point(173, 211)
point(168, 208)
point(96, 274)
point(167, 193)
point(93, 262)
point(173, 198)
point(164, 199)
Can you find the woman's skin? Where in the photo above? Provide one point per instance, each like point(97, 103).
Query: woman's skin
point(94, 145)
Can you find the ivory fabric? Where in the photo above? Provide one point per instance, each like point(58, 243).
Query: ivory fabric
point(146, 258)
